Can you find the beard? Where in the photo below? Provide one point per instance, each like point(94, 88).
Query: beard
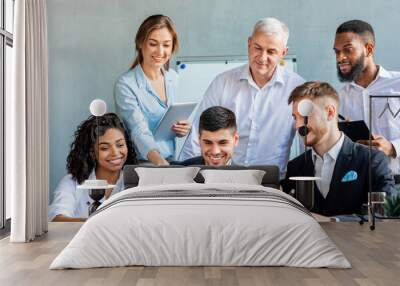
point(315, 135)
point(355, 72)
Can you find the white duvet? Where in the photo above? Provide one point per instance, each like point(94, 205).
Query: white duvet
point(185, 230)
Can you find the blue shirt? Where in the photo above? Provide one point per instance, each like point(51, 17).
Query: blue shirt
point(263, 116)
point(141, 109)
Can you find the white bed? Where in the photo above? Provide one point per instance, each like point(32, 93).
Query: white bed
point(201, 224)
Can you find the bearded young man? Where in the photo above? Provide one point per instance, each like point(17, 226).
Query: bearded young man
point(342, 165)
point(354, 48)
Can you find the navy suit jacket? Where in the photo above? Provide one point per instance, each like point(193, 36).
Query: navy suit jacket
point(344, 197)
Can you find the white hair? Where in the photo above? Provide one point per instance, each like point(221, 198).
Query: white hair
point(272, 26)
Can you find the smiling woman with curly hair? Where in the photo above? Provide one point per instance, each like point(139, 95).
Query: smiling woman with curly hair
point(100, 149)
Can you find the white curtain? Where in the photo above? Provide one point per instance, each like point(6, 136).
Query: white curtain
point(27, 123)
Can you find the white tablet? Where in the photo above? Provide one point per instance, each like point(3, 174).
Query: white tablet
point(175, 112)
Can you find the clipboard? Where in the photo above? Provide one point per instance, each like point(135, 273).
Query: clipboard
point(355, 130)
point(174, 113)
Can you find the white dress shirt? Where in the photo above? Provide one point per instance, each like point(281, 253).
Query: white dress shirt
point(73, 202)
point(354, 105)
point(325, 165)
point(263, 116)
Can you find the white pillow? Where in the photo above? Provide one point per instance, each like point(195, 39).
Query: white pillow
point(249, 177)
point(166, 176)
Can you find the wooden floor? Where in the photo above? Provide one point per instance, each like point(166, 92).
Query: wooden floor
point(374, 255)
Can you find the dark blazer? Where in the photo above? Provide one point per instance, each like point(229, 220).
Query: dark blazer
point(344, 197)
point(190, 162)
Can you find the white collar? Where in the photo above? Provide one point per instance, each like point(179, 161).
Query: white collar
point(382, 74)
point(277, 77)
point(333, 152)
point(118, 184)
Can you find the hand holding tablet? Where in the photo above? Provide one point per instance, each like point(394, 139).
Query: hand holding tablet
point(181, 128)
point(382, 144)
point(168, 128)
point(358, 132)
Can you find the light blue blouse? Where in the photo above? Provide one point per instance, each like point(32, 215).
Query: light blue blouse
point(141, 109)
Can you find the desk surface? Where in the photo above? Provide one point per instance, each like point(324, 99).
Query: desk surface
point(374, 255)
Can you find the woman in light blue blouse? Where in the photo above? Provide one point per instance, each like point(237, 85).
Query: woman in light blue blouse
point(144, 93)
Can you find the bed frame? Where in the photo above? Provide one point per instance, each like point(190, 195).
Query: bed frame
point(270, 179)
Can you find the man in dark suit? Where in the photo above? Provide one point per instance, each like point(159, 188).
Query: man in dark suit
point(218, 138)
point(342, 165)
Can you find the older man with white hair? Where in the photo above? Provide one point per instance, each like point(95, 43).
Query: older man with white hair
point(257, 93)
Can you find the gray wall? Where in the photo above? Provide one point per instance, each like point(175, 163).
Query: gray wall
point(91, 43)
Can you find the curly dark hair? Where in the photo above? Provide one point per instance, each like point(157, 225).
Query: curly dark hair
point(80, 161)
